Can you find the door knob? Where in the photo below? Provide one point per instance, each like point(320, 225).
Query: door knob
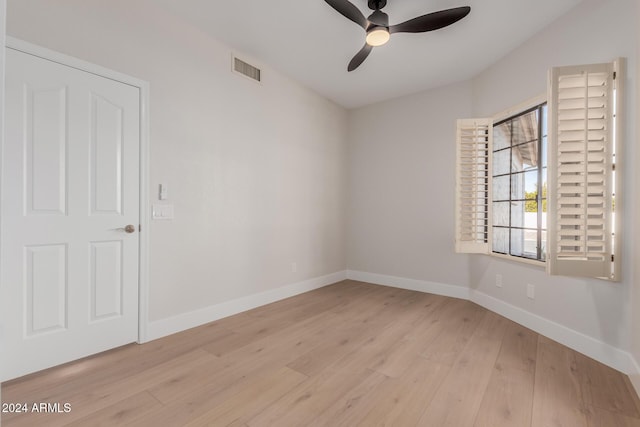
point(130, 228)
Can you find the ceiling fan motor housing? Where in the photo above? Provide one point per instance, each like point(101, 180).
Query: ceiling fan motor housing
point(379, 19)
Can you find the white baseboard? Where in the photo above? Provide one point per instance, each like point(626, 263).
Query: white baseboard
point(410, 284)
point(589, 346)
point(171, 325)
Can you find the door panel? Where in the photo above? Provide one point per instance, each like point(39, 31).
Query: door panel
point(106, 157)
point(46, 149)
point(70, 185)
point(46, 280)
point(106, 280)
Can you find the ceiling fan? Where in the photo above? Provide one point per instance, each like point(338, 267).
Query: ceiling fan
point(378, 28)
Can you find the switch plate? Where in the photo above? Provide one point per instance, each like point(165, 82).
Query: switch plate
point(499, 280)
point(163, 193)
point(162, 212)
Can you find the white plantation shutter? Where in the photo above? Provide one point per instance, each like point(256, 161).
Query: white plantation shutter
point(581, 144)
point(473, 185)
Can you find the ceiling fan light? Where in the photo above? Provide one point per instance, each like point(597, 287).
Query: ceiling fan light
point(377, 36)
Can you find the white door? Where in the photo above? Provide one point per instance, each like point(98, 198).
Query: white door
point(70, 186)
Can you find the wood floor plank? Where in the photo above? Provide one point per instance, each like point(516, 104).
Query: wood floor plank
point(508, 398)
point(372, 335)
point(350, 354)
point(275, 350)
point(120, 413)
point(598, 417)
point(188, 406)
point(378, 342)
point(519, 348)
point(425, 306)
point(458, 399)
point(333, 349)
point(252, 399)
point(557, 398)
point(329, 297)
point(319, 316)
point(402, 401)
point(367, 309)
point(347, 408)
point(237, 366)
point(256, 329)
point(230, 342)
point(90, 400)
point(632, 392)
point(452, 333)
point(111, 365)
point(605, 388)
point(301, 405)
point(397, 359)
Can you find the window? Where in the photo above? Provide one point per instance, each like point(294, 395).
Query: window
point(547, 196)
point(520, 185)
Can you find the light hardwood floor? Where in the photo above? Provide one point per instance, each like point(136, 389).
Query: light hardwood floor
point(350, 354)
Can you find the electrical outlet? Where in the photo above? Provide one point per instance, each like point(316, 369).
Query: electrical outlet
point(499, 280)
point(294, 267)
point(531, 291)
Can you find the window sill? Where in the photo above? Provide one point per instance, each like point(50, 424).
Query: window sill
point(533, 262)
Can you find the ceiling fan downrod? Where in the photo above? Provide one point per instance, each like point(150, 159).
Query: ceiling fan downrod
point(377, 4)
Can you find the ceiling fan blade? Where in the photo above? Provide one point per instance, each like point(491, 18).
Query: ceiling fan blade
point(349, 11)
point(360, 57)
point(431, 21)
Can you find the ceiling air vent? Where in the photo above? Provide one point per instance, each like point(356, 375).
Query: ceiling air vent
point(245, 69)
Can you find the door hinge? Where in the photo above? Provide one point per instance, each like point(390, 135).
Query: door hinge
point(615, 74)
point(612, 258)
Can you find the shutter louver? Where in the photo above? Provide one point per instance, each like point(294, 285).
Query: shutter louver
point(473, 185)
point(581, 155)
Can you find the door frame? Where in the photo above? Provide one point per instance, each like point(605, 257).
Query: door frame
point(143, 86)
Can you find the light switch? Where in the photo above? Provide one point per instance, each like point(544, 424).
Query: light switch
point(163, 193)
point(162, 211)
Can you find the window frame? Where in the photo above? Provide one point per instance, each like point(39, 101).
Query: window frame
point(500, 117)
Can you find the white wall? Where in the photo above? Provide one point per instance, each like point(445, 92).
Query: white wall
point(596, 308)
point(401, 188)
point(257, 173)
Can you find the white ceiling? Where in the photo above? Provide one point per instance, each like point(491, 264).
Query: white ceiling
point(310, 42)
